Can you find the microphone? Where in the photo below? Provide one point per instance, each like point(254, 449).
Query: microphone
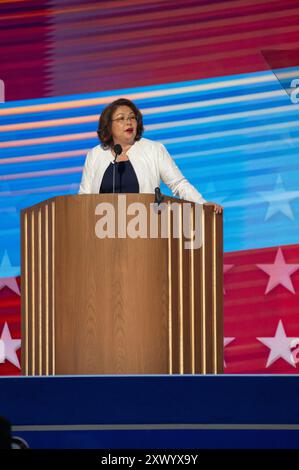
point(117, 150)
point(158, 196)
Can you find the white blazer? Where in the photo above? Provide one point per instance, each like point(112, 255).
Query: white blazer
point(151, 163)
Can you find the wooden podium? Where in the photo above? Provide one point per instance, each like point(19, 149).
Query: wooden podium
point(119, 305)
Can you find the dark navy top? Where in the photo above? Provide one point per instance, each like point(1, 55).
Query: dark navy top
point(125, 179)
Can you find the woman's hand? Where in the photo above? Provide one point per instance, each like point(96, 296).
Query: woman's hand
point(217, 208)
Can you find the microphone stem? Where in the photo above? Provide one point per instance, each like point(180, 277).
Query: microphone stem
point(114, 176)
point(117, 150)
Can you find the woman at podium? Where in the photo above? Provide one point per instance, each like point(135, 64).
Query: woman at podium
point(126, 162)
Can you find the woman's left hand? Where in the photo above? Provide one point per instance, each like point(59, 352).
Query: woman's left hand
point(217, 208)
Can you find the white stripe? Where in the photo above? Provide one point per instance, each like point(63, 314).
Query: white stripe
point(289, 74)
point(217, 84)
point(225, 117)
point(194, 105)
point(250, 130)
point(209, 103)
point(108, 427)
point(260, 146)
point(37, 174)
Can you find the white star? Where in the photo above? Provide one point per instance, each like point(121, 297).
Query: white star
point(226, 267)
point(280, 346)
point(279, 272)
point(279, 200)
point(226, 342)
point(8, 346)
point(8, 274)
point(7, 269)
point(11, 283)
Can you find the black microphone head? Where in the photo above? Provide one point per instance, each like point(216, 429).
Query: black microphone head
point(117, 149)
point(158, 196)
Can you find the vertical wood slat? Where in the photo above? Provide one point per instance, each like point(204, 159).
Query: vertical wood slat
point(33, 291)
point(212, 269)
point(46, 281)
point(170, 318)
point(49, 287)
point(175, 299)
point(199, 305)
point(203, 315)
point(42, 244)
point(181, 292)
point(50, 292)
point(24, 293)
point(43, 287)
point(192, 296)
point(185, 291)
point(29, 281)
point(214, 364)
point(39, 290)
point(37, 295)
point(209, 288)
point(53, 332)
point(218, 295)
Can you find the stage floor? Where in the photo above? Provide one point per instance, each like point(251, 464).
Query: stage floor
point(157, 412)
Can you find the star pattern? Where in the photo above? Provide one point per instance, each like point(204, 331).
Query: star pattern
point(279, 272)
point(279, 200)
point(280, 346)
point(226, 342)
point(8, 347)
point(8, 274)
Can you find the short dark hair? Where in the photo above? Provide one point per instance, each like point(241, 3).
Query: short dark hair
point(105, 121)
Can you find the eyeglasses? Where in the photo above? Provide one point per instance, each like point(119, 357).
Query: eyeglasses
point(123, 119)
